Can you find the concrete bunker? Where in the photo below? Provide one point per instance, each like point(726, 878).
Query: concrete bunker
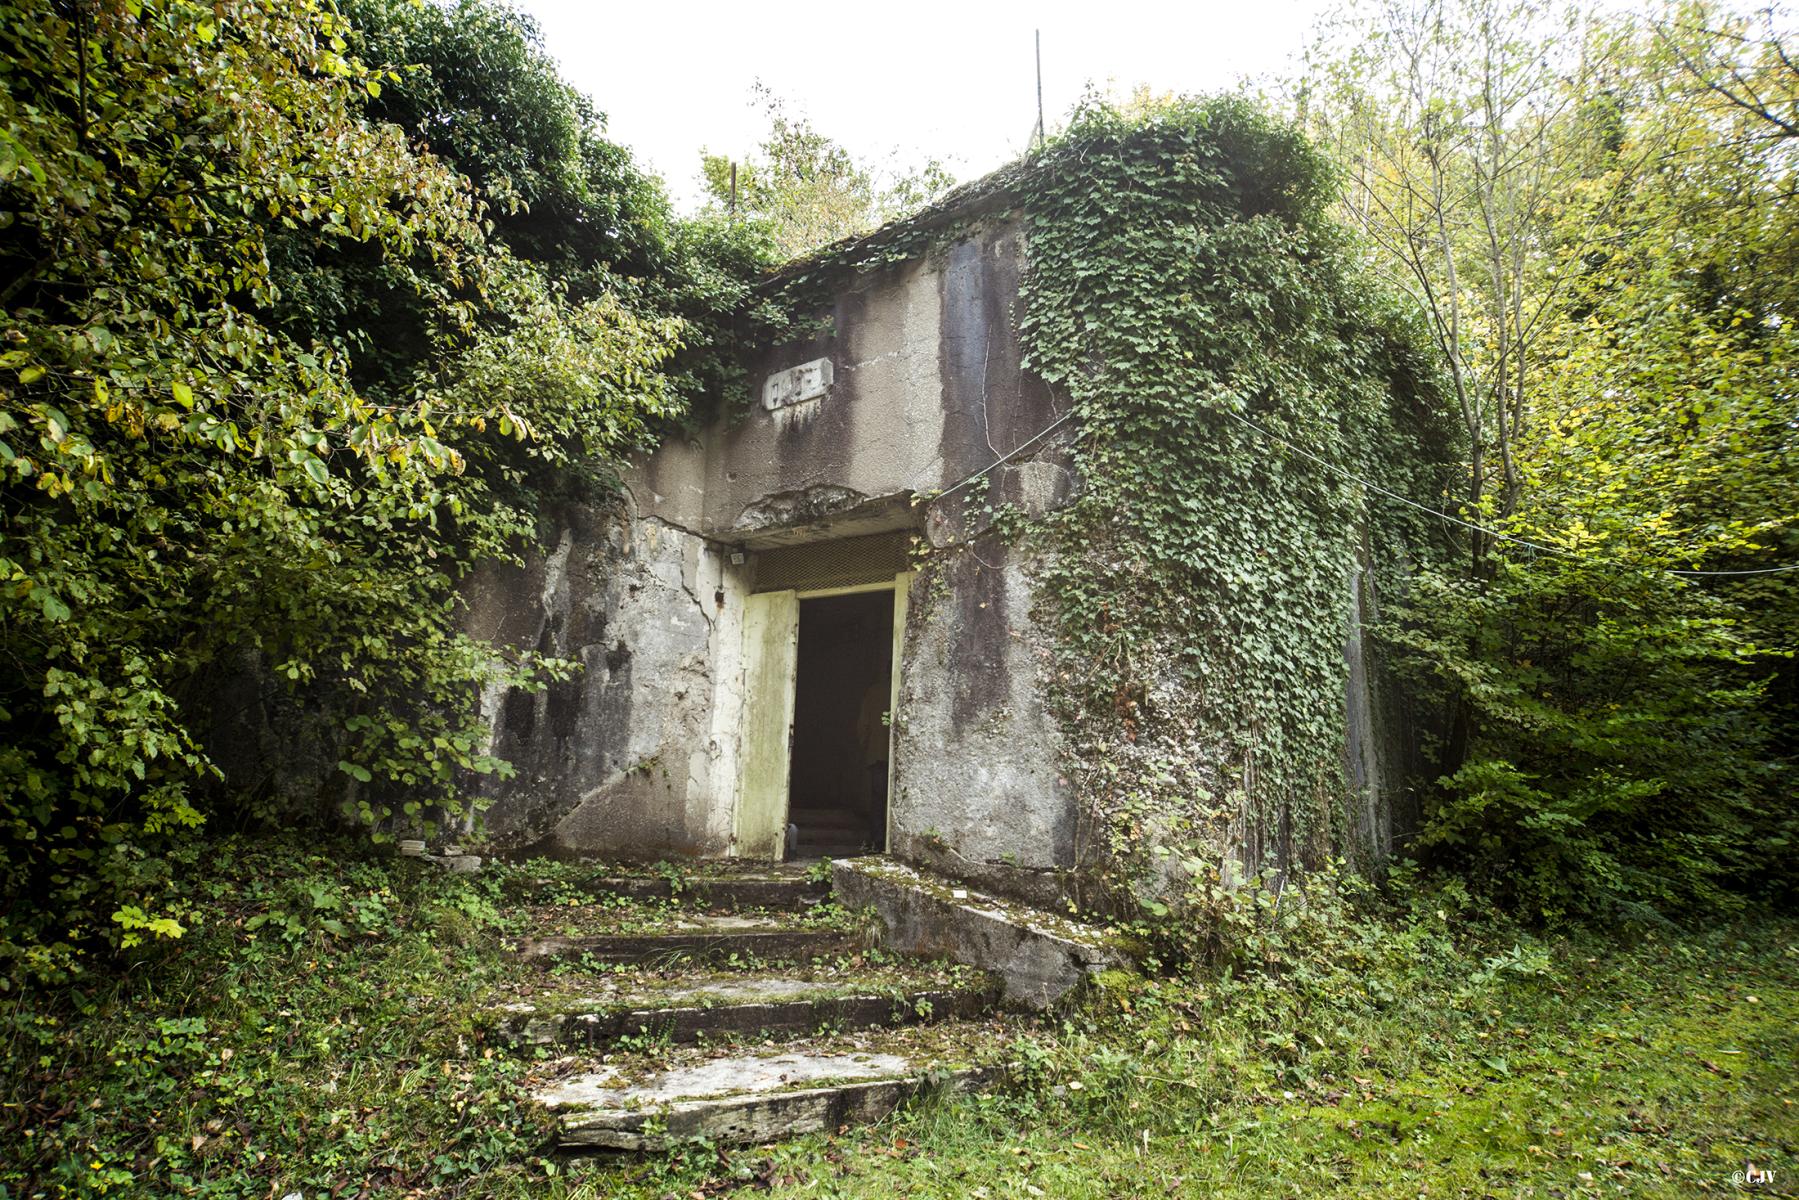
point(728, 604)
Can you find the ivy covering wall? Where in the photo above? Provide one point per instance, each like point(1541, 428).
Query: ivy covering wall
point(1237, 378)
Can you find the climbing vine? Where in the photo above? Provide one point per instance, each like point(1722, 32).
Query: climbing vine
point(1190, 297)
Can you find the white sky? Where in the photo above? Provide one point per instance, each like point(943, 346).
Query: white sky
point(926, 78)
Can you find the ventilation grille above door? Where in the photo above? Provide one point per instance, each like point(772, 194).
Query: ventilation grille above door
point(843, 562)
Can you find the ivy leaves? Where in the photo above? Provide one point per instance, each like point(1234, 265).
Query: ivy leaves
point(1182, 270)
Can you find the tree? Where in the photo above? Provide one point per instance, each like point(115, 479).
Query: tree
point(195, 464)
point(1756, 73)
point(806, 190)
point(1452, 119)
point(1586, 226)
point(471, 84)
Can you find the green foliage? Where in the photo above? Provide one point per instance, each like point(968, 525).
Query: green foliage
point(1362, 1050)
point(1619, 758)
point(320, 1023)
point(1411, 1043)
point(1609, 279)
point(472, 82)
point(273, 382)
point(1190, 298)
point(476, 87)
point(805, 191)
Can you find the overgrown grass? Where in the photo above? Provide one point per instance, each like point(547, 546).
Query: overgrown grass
point(320, 1032)
point(317, 1030)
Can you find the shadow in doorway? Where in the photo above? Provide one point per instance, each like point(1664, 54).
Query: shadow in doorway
point(837, 792)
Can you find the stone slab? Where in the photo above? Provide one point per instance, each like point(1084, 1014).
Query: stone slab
point(1039, 956)
point(749, 1098)
point(457, 864)
point(711, 944)
point(796, 385)
point(785, 892)
point(760, 1006)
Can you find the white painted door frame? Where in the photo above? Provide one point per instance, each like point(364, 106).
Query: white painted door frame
point(770, 669)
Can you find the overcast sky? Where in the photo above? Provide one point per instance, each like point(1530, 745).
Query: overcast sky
point(953, 80)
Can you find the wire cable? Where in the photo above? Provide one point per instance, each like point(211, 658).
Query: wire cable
point(1493, 533)
point(1375, 487)
point(1008, 455)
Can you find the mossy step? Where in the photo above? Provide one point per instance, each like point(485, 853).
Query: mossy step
point(734, 1096)
point(596, 1011)
point(702, 939)
point(575, 918)
point(763, 887)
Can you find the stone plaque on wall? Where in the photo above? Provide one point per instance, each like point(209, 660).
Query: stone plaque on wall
point(796, 385)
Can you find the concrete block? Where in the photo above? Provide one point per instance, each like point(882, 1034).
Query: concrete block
point(457, 864)
point(796, 385)
point(758, 1005)
point(1039, 957)
point(714, 944)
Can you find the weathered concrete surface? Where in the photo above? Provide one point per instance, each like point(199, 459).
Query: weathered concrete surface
point(721, 1077)
point(914, 383)
point(789, 890)
point(1379, 754)
point(751, 1098)
point(756, 1005)
point(977, 791)
point(456, 864)
point(1039, 957)
point(909, 409)
point(927, 387)
point(701, 939)
point(619, 757)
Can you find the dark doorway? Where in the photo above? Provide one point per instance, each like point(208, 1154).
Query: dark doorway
point(837, 792)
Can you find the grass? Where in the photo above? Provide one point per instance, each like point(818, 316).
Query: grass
point(321, 1030)
point(1613, 1078)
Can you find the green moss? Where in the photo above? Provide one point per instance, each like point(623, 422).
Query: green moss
point(1116, 982)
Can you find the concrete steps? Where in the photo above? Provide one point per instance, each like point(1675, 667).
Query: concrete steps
point(701, 938)
point(734, 1095)
point(831, 832)
point(780, 887)
point(694, 1006)
point(1041, 957)
point(765, 1018)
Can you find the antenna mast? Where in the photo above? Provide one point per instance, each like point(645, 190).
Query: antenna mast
point(1040, 129)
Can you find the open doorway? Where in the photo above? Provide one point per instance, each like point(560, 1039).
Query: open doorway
point(843, 679)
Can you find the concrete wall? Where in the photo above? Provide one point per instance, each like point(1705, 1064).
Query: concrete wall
point(978, 790)
point(620, 757)
point(1382, 757)
point(928, 388)
point(637, 755)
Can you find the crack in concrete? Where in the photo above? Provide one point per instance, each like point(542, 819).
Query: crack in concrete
point(690, 588)
point(657, 519)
